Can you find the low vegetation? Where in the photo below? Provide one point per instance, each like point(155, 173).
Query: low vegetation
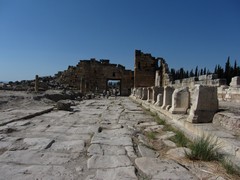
point(180, 139)
point(151, 135)
point(204, 148)
point(230, 168)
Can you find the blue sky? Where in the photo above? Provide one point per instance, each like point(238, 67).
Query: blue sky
point(45, 36)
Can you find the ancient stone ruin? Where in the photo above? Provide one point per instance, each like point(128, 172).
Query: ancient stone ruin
point(93, 76)
point(194, 96)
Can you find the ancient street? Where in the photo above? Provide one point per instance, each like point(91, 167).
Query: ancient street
point(99, 139)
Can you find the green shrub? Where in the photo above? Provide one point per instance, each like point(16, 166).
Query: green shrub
point(180, 139)
point(230, 168)
point(151, 135)
point(204, 148)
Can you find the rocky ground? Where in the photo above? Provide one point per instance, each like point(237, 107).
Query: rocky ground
point(99, 139)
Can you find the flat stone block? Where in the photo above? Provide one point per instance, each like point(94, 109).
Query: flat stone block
point(74, 146)
point(162, 169)
point(97, 149)
point(105, 162)
point(34, 157)
point(147, 152)
point(117, 173)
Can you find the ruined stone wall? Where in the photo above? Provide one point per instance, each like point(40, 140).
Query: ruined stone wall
point(210, 80)
point(144, 69)
point(92, 75)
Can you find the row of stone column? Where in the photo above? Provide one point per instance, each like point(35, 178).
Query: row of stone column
point(201, 102)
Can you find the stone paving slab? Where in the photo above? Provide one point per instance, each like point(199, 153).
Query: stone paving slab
point(97, 140)
point(33, 157)
point(73, 146)
point(112, 141)
point(162, 169)
point(106, 162)
point(29, 172)
point(120, 173)
point(16, 115)
point(100, 149)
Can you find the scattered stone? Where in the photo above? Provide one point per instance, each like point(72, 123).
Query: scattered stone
point(178, 153)
point(143, 139)
point(146, 124)
point(63, 105)
point(169, 143)
point(167, 135)
point(147, 152)
point(156, 128)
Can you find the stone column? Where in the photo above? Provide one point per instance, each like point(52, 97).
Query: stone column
point(150, 95)
point(144, 94)
point(204, 104)
point(36, 83)
point(159, 100)
point(167, 97)
point(139, 93)
point(156, 91)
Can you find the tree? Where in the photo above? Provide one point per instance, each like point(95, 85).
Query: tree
point(191, 73)
point(227, 73)
point(196, 72)
point(205, 71)
point(235, 69)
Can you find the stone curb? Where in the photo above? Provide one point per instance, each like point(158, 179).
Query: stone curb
point(29, 116)
point(229, 145)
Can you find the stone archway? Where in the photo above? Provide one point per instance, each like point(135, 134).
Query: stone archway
point(113, 85)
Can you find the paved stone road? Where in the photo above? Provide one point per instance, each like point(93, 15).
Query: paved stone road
point(97, 140)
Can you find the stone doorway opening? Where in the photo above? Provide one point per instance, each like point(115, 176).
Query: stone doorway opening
point(114, 86)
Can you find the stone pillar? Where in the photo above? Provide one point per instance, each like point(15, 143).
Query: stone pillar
point(204, 104)
point(150, 95)
point(159, 100)
point(157, 78)
point(167, 97)
point(139, 93)
point(156, 91)
point(36, 83)
point(144, 94)
point(180, 101)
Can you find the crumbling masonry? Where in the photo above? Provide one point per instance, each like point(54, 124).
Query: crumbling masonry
point(92, 76)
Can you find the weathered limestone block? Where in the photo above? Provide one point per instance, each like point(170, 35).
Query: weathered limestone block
point(159, 100)
point(156, 91)
point(180, 101)
point(64, 105)
point(222, 91)
point(150, 94)
point(235, 82)
point(204, 104)
point(133, 91)
point(167, 97)
point(139, 92)
point(144, 94)
point(233, 94)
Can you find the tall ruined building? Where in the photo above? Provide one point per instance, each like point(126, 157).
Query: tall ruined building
point(93, 76)
point(144, 69)
point(147, 71)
